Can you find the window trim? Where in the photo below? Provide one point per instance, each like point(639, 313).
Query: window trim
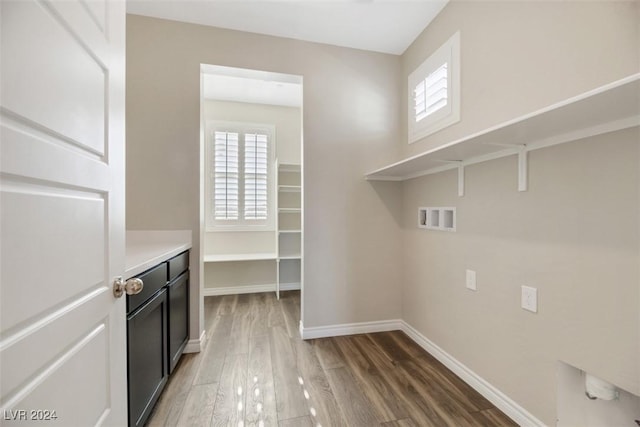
point(448, 53)
point(211, 223)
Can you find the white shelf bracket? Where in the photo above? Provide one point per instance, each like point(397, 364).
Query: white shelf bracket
point(460, 174)
point(460, 179)
point(522, 168)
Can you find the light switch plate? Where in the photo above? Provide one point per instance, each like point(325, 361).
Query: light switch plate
point(471, 280)
point(530, 299)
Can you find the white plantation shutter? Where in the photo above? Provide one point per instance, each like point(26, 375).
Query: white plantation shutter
point(431, 94)
point(433, 90)
point(226, 175)
point(255, 176)
point(240, 194)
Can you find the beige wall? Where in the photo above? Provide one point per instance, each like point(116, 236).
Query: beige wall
point(573, 235)
point(231, 274)
point(239, 242)
point(351, 110)
point(520, 56)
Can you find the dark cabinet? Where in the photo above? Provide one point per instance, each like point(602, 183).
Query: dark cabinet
point(146, 357)
point(178, 318)
point(157, 333)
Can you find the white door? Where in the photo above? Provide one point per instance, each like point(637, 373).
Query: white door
point(62, 332)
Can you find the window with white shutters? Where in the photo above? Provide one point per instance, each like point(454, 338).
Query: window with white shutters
point(255, 176)
point(431, 93)
point(434, 91)
point(226, 174)
point(240, 167)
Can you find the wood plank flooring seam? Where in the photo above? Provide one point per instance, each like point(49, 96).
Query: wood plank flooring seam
point(255, 370)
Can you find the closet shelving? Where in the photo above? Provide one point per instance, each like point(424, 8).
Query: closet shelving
point(289, 246)
point(289, 188)
point(287, 257)
point(241, 257)
point(611, 107)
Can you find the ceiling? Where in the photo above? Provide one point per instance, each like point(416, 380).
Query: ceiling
point(252, 86)
point(387, 26)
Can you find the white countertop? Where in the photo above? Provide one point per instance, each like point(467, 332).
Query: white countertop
point(145, 249)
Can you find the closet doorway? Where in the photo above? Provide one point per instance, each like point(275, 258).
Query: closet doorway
point(251, 181)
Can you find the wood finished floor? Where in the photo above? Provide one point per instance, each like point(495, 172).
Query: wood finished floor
point(256, 371)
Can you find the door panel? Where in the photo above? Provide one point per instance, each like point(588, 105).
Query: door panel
point(97, 11)
point(65, 82)
point(19, 360)
point(72, 368)
point(22, 141)
point(62, 332)
point(46, 212)
point(92, 31)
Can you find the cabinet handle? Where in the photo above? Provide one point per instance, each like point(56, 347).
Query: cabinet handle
point(130, 286)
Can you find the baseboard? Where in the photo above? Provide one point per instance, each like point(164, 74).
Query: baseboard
point(195, 346)
point(491, 393)
point(349, 329)
point(249, 289)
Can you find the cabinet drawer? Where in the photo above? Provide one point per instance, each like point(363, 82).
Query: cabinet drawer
point(178, 265)
point(153, 280)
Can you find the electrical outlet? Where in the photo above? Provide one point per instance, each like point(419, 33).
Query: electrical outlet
point(529, 299)
point(471, 280)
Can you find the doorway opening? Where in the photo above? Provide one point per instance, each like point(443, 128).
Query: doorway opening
point(251, 182)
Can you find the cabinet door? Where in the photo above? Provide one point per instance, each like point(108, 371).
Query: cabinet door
point(178, 318)
point(147, 354)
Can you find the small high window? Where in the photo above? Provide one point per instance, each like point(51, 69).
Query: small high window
point(434, 91)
